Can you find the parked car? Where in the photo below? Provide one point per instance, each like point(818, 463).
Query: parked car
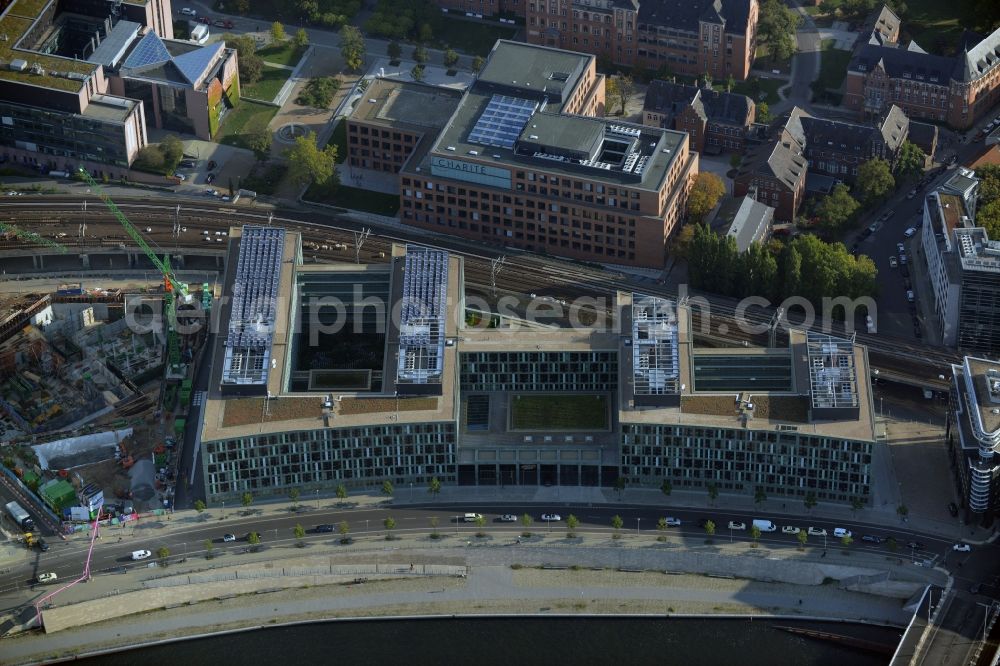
point(914, 545)
point(953, 509)
point(902, 258)
point(212, 193)
point(210, 178)
point(187, 164)
point(871, 538)
point(42, 545)
point(962, 548)
point(841, 532)
point(909, 295)
point(551, 517)
point(205, 20)
point(673, 522)
point(508, 518)
point(737, 525)
point(228, 538)
point(46, 578)
point(187, 11)
point(790, 529)
point(140, 554)
point(909, 232)
point(223, 23)
point(212, 165)
point(892, 262)
point(816, 531)
point(912, 193)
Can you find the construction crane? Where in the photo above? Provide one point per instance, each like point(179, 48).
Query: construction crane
point(170, 282)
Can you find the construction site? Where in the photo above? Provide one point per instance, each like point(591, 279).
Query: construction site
point(93, 405)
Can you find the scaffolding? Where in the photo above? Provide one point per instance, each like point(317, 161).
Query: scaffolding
point(422, 319)
point(655, 358)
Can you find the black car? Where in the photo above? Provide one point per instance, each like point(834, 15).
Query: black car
point(210, 178)
point(186, 164)
point(323, 528)
point(42, 545)
point(953, 509)
point(915, 545)
point(871, 538)
point(211, 165)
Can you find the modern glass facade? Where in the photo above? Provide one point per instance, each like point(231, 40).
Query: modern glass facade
point(62, 135)
point(780, 462)
point(358, 457)
point(579, 372)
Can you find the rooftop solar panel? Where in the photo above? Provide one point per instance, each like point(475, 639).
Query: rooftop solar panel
point(502, 121)
point(192, 65)
point(148, 52)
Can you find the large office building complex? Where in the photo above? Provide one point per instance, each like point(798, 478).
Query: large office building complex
point(80, 82)
point(974, 435)
point(527, 160)
point(370, 373)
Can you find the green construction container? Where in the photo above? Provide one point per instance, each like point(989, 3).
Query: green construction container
point(179, 426)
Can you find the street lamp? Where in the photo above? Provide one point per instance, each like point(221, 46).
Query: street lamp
point(637, 521)
point(317, 498)
point(223, 509)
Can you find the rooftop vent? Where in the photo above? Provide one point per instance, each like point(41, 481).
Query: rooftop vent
point(18, 65)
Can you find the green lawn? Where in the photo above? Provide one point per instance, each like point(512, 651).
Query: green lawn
point(753, 87)
point(240, 123)
point(264, 178)
point(266, 89)
point(559, 412)
point(832, 71)
point(936, 25)
point(284, 53)
point(469, 36)
point(354, 198)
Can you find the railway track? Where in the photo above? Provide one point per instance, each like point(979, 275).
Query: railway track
point(523, 273)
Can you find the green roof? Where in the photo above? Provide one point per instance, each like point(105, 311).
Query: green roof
point(15, 27)
point(28, 8)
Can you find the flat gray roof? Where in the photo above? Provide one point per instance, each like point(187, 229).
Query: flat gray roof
point(113, 48)
point(532, 67)
point(401, 103)
point(107, 107)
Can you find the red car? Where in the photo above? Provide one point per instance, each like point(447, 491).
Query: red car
point(223, 23)
point(205, 20)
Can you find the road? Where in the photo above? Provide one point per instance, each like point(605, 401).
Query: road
point(110, 553)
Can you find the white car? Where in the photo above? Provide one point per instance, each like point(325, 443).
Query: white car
point(149, 230)
point(901, 247)
point(228, 538)
point(737, 525)
point(909, 232)
point(181, 177)
point(892, 262)
point(912, 193)
point(46, 578)
point(841, 532)
point(909, 295)
point(140, 554)
point(212, 193)
point(673, 522)
point(551, 517)
point(962, 548)
point(508, 518)
point(790, 529)
point(187, 11)
point(816, 531)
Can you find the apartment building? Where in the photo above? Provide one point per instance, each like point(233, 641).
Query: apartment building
point(528, 161)
point(376, 373)
point(974, 435)
point(957, 90)
point(716, 121)
point(774, 174)
point(688, 38)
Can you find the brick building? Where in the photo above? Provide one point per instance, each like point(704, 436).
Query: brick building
point(957, 90)
point(716, 121)
point(688, 37)
point(776, 174)
point(527, 160)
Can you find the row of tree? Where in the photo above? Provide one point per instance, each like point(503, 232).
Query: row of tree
point(776, 27)
point(806, 266)
point(327, 13)
point(988, 209)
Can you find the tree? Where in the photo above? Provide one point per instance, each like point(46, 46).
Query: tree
point(390, 524)
point(988, 216)
point(387, 488)
point(755, 534)
point(802, 536)
point(730, 82)
point(874, 180)
point(623, 90)
point(620, 483)
point(162, 553)
point(526, 521)
point(277, 32)
point(246, 500)
point(173, 151)
point(318, 92)
point(420, 54)
point(911, 161)
point(480, 523)
point(810, 501)
point(759, 496)
point(341, 492)
point(713, 492)
point(764, 113)
point(682, 241)
point(200, 507)
point(352, 47)
point(450, 58)
point(709, 529)
point(902, 511)
point(892, 544)
point(735, 160)
point(254, 540)
point(417, 73)
point(610, 92)
point(426, 33)
point(209, 547)
point(846, 541)
point(837, 210)
point(293, 494)
point(705, 194)
point(301, 38)
point(666, 488)
point(776, 26)
point(616, 524)
point(307, 163)
point(344, 529)
point(394, 50)
point(661, 524)
point(477, 63)
point(260, 143)
point(572, 522)
point(251, 70)
point(857, 504)
point(434, 487)
point(300, 533)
